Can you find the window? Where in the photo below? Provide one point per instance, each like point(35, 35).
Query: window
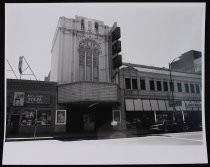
point(89, 26)
point(28, 118)
point(82, 25)
point(96, 26)
point(179, 85)
point(171, 86)
point(134, 84)
point(197, 88)
point(186, 87)
point(152, 85)
point(159, 88)
point(44, 117)
point(142, 84)
point(165, 86)
point(192, 88)
point(127, 83)
point(89, 51)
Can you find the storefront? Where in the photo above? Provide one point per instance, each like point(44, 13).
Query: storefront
point(150, 111)
point(31, 107)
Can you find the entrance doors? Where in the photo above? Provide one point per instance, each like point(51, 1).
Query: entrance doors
point(89, 121)
point(84, 119)
point(14, 123)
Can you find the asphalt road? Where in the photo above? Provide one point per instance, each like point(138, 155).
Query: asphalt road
point(163, 148)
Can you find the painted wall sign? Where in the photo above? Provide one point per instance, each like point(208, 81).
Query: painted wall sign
point(18, 99)
point(37, 99)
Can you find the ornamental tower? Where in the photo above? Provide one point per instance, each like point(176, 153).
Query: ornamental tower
point(80, 51)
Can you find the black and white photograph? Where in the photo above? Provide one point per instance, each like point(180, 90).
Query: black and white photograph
point(104, 83)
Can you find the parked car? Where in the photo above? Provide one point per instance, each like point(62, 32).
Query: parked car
point(167, 126)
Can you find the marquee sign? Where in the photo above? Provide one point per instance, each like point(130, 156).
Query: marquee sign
point(37, 99)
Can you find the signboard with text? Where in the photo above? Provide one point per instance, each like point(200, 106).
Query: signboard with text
point(190, 104)
point(37, 99)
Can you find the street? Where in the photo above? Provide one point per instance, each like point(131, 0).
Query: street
point(161, 148)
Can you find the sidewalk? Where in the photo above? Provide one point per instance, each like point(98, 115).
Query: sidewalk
point(104, 134)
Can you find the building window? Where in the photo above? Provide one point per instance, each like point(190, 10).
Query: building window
point(165, 86)
point(28, 118)
point(96, 26)
point(192, 88)
point(172, 86)
point(134, 84)
point(44, 117)
point(152, 85)
point(159, 88)
point(179, 86)
point(127, 83)
point(186, 87)
point(142, 84)
point(89, 51)
point(82, 25)
point(197, 88)
point(89, 26)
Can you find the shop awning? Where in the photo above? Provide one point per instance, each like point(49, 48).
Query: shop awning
point(146, 105)
point(138, 105)
point(167, 106)
point(129, 104)
point(162, 105)
point(154, 105)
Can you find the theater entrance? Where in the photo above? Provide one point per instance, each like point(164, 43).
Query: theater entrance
point(87, 118)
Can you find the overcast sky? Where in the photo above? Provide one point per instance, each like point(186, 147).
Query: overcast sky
point(151, 33)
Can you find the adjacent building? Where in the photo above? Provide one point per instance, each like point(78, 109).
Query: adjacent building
point(189, 62)
point(28, 101)
point(147, 95)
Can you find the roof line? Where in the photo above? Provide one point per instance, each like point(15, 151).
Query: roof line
point(156, 68)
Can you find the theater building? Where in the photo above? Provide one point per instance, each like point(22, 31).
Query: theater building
point(80, 64)
point(148, 98)
point(28, 101)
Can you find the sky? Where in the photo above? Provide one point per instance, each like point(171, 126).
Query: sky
point(151, 33)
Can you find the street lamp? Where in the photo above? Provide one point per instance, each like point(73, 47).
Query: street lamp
point(172, 88)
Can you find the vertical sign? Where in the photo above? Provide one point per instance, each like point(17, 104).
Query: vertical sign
point(20, 65)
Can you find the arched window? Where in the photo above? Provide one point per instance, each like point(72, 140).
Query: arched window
point(89, 51)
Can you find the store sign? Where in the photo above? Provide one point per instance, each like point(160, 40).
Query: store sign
point(18, 99)
point(190, 104)
point(37, 99)
point(60, 117)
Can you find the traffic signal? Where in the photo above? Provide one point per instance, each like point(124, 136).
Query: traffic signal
point(116, 48)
